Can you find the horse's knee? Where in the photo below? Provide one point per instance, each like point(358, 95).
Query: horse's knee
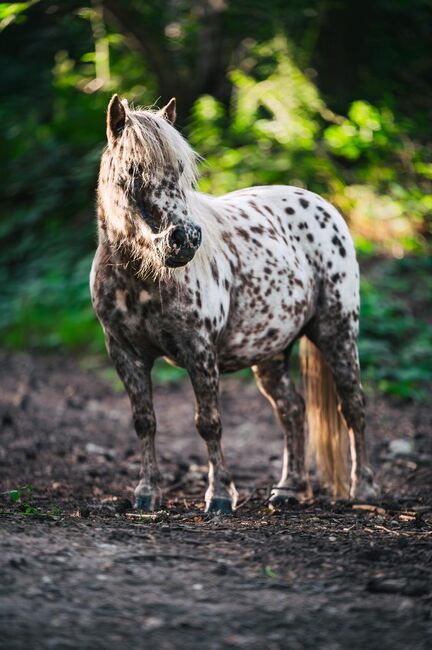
point(145, 424)
point(209, 425)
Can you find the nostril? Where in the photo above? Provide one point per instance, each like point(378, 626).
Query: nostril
point(178, 236)
point(197, 237)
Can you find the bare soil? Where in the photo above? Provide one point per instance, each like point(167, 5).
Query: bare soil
point(82, 570)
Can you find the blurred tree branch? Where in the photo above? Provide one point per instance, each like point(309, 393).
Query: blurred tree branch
point(204, 68)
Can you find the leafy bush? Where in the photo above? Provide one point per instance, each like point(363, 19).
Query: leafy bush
point(276, 129)
point(395, 336)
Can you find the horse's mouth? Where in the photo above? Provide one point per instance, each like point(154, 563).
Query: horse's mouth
point(175, 261)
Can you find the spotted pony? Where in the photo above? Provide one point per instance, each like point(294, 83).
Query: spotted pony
point(216, 284)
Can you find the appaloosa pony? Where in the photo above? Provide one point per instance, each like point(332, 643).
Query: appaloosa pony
point(215, 284)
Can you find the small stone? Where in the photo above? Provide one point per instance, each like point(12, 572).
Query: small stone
point(153, 623)
point(91, 448)
point(401, 447)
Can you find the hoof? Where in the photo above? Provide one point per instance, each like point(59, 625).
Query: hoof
point(287, 498)
point(219, 505)
point(365, 492)
point(147, 503)
point(366, 489)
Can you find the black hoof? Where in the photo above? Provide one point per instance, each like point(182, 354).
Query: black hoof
point(221, 505)
point(147, 503)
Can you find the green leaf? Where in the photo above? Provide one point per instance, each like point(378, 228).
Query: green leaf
point(269, 573)
point(15, 495)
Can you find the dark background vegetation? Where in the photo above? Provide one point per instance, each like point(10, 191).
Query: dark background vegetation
point(333, 96)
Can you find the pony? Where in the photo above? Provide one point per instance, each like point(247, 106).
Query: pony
point(216, 284)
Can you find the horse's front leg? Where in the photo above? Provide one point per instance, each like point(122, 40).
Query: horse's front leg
point(221, 494)
point(135, 375)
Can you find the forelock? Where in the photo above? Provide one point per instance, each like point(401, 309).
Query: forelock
point(151, 141)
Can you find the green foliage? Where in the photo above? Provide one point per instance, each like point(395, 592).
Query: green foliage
point(20, 496)
point(366, 130)
point(166, 373)
point(268, 135)
point(50, 159)
point(396, 338)
point(271, 136)
point(11, 12)
point(286, 118)
point(16, 496)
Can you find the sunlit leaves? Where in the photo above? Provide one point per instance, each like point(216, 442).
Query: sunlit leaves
point(365, 128)
point(283, 106)
point(13, 11)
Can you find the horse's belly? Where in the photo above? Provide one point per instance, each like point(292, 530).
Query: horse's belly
point(243, 353)
point(263, 325)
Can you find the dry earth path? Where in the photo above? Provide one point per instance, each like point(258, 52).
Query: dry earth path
point(81, 570)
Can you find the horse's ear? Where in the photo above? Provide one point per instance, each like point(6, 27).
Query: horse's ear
point(169, 111)
point(116, 118)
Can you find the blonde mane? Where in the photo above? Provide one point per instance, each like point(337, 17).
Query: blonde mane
point(151, 140)
point(148, 147)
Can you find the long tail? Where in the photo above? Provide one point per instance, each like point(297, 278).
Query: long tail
point(328, 436)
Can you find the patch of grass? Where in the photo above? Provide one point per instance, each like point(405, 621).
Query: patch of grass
point(21, 497)
point(17, 496)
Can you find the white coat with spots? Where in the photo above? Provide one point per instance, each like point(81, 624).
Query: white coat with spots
point(216, 284)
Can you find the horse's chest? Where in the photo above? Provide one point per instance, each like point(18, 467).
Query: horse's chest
point(150, 319)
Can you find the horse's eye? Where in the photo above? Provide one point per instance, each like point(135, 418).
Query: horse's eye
point(132, 170)
point(143, 206)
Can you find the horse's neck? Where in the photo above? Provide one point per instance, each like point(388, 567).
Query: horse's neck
point(206, 211)
point(117, 253)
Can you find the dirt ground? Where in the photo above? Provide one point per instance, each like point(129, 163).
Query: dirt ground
point(82, 570)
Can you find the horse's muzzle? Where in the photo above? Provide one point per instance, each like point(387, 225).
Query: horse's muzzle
point(184, 241)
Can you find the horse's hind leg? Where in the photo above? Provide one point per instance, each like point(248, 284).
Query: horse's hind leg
point(275, 383)
point(340, 353)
